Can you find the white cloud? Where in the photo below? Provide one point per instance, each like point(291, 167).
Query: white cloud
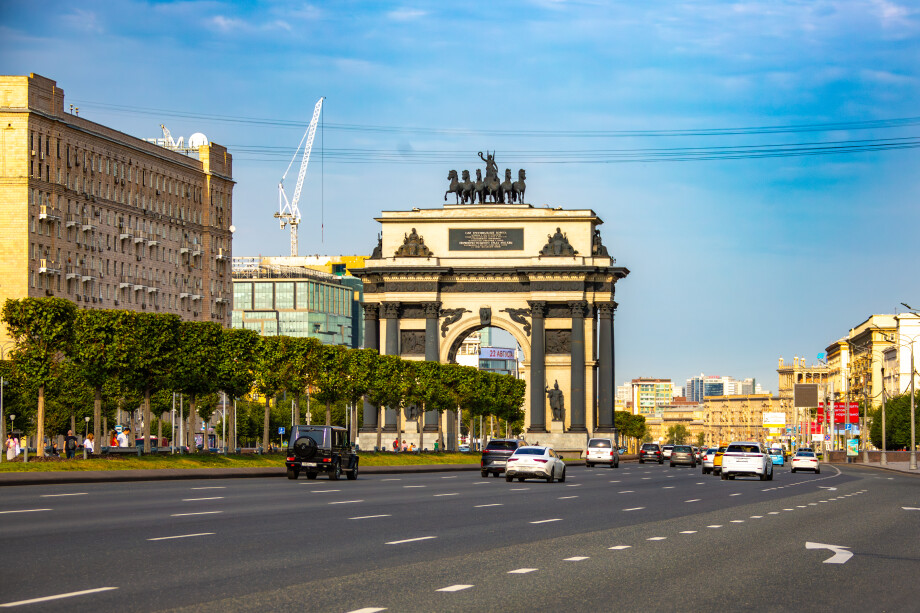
point(406, 14)
point(87, 21)
point(234, 24)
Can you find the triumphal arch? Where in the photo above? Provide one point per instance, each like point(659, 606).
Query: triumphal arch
point(486, 259)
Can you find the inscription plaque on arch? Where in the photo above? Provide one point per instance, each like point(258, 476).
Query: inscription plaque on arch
point(486, 239)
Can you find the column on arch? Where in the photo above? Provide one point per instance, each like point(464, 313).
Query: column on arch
point(390, 312)
point(538, 368)
point(605, 389)
point(371, 341)
point(432, 353)
point(577, 380)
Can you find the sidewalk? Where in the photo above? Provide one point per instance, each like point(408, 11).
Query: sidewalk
point(900, 467)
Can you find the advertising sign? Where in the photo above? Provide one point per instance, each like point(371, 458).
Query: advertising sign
point(816, 438)
point(774, 420)
point(805, 395)
point(496, 353)
point(852, 447)
point(843, 413)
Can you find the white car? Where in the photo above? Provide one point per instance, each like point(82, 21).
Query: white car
point(666, 451)
point(708, 457)
point(602, 451)
point(535, 462)
point(806, 460)
point(746, 458)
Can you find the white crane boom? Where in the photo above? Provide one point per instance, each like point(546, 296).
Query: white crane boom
point(288, 211)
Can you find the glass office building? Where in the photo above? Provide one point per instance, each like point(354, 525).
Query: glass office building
point(295, 301)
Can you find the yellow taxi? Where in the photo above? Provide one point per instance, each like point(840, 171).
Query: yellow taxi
point(717, 459)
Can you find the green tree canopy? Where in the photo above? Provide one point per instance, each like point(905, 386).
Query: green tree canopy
point(897, 422)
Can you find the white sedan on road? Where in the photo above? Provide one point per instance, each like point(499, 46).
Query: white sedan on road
point(535, 462)
point(746, 458)
point(806, 460)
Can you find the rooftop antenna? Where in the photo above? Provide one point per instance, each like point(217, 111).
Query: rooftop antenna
point(288, 212)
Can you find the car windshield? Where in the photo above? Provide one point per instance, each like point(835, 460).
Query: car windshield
point(530, 451)
point(317, 434)
point(502, 445)
point(650, 446)
point(805, 454)
point(743, 449)
point(599, 443)
point(683, 449)
point(776, 452)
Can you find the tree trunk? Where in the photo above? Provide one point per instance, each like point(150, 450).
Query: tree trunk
point(399, 428)
point(265, 424)
point(421, 429)
point(296, 409)
point(160, 431)
point(440, 431)
point(380, 415)
point(97, 416)
point(231, 426)
point(40, 431)
point(328, 413)
point(147, 420)
point(193, 423)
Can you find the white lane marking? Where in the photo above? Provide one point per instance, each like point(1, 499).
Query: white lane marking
point(812, 504)
point(618, 547)
point(700, 483)
point(181, 536)
point(840, 554)
point(482, 506)
point(521, 571)
point(671, 487)
point(369, 610)
point(634, 509)
point(698, 499)
point(519, 489)
point(369, 516)
point(450, 477)
point(656, 538)
point(688, 532)
point(199, 513)
point(458, 493)
point(626, 492)
point(56, 495)
point(346, 501)
point(776, 512)
point(788, 509)
point(715, 526)
point(822, 501)
point(406, 486)
point(575, 559)
point(391, 479)
point(734, 494)
point(737, 521)
point(572, 484)
point(617, 481)
point(324, 491)
point(567, 497)
point(455, 588)
point(906, 508)
point(57, 597)
point(802, 506)
point(759, 516)
point(420, 538)
point(830, 489)
point(197, 499)
point(211, 487)
point(481, 483)
point(546, 521)
point(24, 511)
point(645, 478)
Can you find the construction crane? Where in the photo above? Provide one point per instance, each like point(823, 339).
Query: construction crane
point(288, 212)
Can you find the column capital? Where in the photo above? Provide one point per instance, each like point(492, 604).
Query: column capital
point(371, 309)
point(432, 310)
point(537, 308)
point(578, 307)
point(606, 309)
point(390, 310)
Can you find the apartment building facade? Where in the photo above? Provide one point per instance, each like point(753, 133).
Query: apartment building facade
point(105, 219)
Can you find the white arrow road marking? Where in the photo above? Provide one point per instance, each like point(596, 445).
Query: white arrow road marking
point(824, 487)
point(911, 508)
point(840, 554)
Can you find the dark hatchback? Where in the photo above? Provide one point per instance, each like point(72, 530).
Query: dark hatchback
point(651, 452)
point(683, 454)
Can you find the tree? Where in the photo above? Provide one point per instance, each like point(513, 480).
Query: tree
point(430, 392)
point(43, 331)
point(701, 439)
point(236, 371)
point(463, 387)
point(897, 422)
point(269, 380)
point(94, 336)
point(195, 367)
point(359, 372)
point(303, 366)
point(330, 379)
point(388, 388)
point(632, 426)
point(678, 434)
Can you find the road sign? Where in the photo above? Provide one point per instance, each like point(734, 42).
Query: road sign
point(281, 430)
point(827, 438)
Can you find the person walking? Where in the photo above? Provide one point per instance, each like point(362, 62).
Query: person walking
point(88, 443)
point(10, 444)
point(70, 445)
point(123, 438)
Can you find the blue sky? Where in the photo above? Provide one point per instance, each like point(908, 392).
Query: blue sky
point(734, 262)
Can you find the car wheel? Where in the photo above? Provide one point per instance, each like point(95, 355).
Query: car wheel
point(828, 413)
point(311, 475)
point(336, 471)
point(723, 476)
point(616, 464)
point(509, 478)
point(641, 461)
point(671, 464)
point(549, 478)
point(818, 470)
point(353, 473)
point(763, 476)
point(660, 461)
point(520, 479)
point(562, 478)
point(770, 478)
point(292, 473)
point(485, 473)
point(495, 474)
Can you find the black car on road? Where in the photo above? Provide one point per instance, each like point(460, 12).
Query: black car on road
point(495, 455)
point(651, 452)
point(316, 449)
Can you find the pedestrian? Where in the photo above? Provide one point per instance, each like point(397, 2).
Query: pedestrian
point(405, 447)
point(10, 445)
point(123, 438)
point(17, 444)
point(113, 440)
point(395, 444)
point(88, 443)
point(70, 445)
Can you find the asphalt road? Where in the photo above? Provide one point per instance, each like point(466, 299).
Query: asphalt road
point(629, 539)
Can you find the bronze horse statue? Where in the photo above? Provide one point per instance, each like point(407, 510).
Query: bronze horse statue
point(478, 188)
point(491, 184)
point(454, 186)
point(466, 188)
point(507, 187)
point(519, 187)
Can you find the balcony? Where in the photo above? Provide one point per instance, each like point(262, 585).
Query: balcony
point(72, 272)
point(152, 290)
point(192, 248)
point(48, 267)
point(183, 295)
point(221, 256)
point(139, 236)
point(138, 284)
point(71, 220)
point(86, 224)
point(152, 239)
point(48, 213)
point(124, 281)
point(87, 274)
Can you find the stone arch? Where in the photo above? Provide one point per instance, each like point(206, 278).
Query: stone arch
point(456, 336)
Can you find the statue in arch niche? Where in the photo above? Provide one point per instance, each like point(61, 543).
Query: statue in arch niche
point(556, 402)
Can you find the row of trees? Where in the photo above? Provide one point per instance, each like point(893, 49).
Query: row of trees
point(897, 422)
point(149, 356)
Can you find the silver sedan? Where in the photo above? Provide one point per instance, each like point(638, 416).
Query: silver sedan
point(535, 462)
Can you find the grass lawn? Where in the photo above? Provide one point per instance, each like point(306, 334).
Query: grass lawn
point(210, 460)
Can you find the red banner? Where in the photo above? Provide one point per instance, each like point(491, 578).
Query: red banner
point(842, 413)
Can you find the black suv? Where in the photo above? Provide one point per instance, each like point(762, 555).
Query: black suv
point(495, 455)
point(651, 452)
point(315, 449)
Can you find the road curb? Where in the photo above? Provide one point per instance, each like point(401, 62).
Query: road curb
point(871, 467)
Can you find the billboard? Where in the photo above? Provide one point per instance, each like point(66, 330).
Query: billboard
point(844, 413)
point(805, 395)
point(774, 420)
point(496, 353)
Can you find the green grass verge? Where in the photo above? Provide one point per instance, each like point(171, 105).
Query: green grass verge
point(219, 461)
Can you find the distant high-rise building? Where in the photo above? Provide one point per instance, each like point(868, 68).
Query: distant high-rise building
point(650, 394)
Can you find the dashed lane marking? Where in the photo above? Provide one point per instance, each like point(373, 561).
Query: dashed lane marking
point(522, 571)
point(408, 486)
point(420, 538)
point(211, 498)
point(482, 506)
point(617, 481)
point(715, 526)
point(634, 509)
point(457, 493)
point(671, 487)
point(575, 559)
point(626, 492)
point(455, 588)
point(567, 497)
point(24, 511)
point(759, 516)
point(737, 521)
point(519, 489)
point(619, 547)
point(392, 479)
point(688, 532)
point(738, 494)
point(369, 610)
point(57, 597)
point(776, 512)
point(656, 538)
point(698, 499)
point(369, 516)
point(578, 484)
point(325, 491)
point(181, 536)
point(546, 521)
point(346, 501)
point(211, 487)
point(198, 513)
point(450, 477)
point(56, 495)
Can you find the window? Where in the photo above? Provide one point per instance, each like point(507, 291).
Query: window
point(284, 296)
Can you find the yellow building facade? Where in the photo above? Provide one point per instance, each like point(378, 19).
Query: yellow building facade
point(732, 418)
point(105, 219)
